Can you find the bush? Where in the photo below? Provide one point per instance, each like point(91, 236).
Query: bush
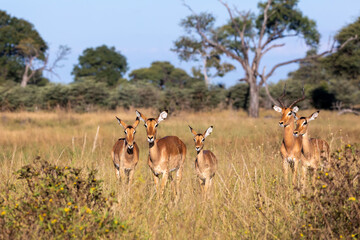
point(57, 202)
point(20, 98)
point(332, 210)
point(88, 95)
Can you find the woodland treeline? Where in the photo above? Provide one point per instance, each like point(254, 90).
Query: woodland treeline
point(102, 79)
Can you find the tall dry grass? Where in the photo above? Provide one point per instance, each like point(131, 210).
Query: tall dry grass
point(249, 198)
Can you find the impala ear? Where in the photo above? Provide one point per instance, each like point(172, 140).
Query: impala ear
point(141, 116)
point(136, 123)
point(295, 116)
point(122, 123)
point(208, 132)
point(278, 109)
point(313, 116)
point(162, 116)
point(295, 109)
point(192, 131)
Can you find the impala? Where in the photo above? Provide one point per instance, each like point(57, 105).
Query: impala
point(313, 149)
point(166, 155)
point(205, 162)
point(291, 146)
point(125, 153)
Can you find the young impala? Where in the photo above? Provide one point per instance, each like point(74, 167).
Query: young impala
point(125, 153)
point(166, 154)
point(205, 162)
point(313, 149)
point(291, 146)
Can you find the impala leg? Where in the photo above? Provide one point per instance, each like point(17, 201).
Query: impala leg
point(201, 187)
point(131, 177)
point(206, 188)
point(294, 177)
point(156, 181)
point(123, 176)
point(286, 170)
point(118, 174)
point(164, 179)
point(303, 176)
point(178, 180)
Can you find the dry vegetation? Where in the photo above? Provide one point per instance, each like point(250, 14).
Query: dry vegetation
point(249, 198)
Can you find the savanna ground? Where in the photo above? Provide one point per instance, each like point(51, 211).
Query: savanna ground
point(249, 198)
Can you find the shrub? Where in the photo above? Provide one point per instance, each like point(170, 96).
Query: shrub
point(332, 210)
point(57, 202)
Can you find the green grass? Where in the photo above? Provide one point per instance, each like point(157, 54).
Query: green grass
point(249, 198)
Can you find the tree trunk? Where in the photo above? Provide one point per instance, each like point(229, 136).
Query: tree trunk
point(25, 77)
point(254, 100)
point(24, 81)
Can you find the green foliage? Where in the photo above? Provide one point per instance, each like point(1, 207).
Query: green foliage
point(103, 64)
point(332, 209)
point(346, 61)
point(17, 98)
point(14, 33)
point(238, 96)
point(57, 202)
point(284, 18)
point(161, 75)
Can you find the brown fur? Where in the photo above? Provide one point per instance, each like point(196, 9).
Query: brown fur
point(124, 157)
point(205, 163)
point(291, 147)
point(313, 149)
point(166, 155)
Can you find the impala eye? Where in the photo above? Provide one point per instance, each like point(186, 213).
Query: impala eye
point(289, 113)
point(125, 132)
point(156, 124)
point(304, 123)
point(194, 140)
point(134, 131)
point(203, 139)
point(145, 125)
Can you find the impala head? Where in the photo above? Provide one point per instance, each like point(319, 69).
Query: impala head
point(287, 112)
point(302, 124)
point(129, 132)
point(199, 138)
point(151, 124)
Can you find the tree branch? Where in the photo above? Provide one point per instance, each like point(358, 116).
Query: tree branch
point(310, 57)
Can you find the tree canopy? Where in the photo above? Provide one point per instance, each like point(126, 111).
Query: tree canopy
point(102, 64)
point(15, 38)
point(247, 37)
point(162, 75)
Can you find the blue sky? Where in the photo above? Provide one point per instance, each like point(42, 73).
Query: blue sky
point(144, 30)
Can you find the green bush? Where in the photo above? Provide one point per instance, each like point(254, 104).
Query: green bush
point(57, 202)
point(332, 210)
point(17, 97)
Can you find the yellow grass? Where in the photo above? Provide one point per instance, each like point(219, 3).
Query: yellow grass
point(249, 200)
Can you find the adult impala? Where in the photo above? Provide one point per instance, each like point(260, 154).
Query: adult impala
point(125, 153)
point(205, 162)
point(291, 146)
point(166, 155)
point(313, 149)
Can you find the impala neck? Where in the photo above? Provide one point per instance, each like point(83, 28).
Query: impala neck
point(289, 138)
point(306, 144)
point(153, 150)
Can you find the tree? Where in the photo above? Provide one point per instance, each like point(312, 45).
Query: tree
point(36, 61)
point(346, 61)
point(15, 32)
point(247, 38)
point(161, 75)
point(189, 48)
point(102, 64)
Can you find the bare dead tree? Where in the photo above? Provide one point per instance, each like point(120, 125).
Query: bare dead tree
point(259, 44)
point(33, 63)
